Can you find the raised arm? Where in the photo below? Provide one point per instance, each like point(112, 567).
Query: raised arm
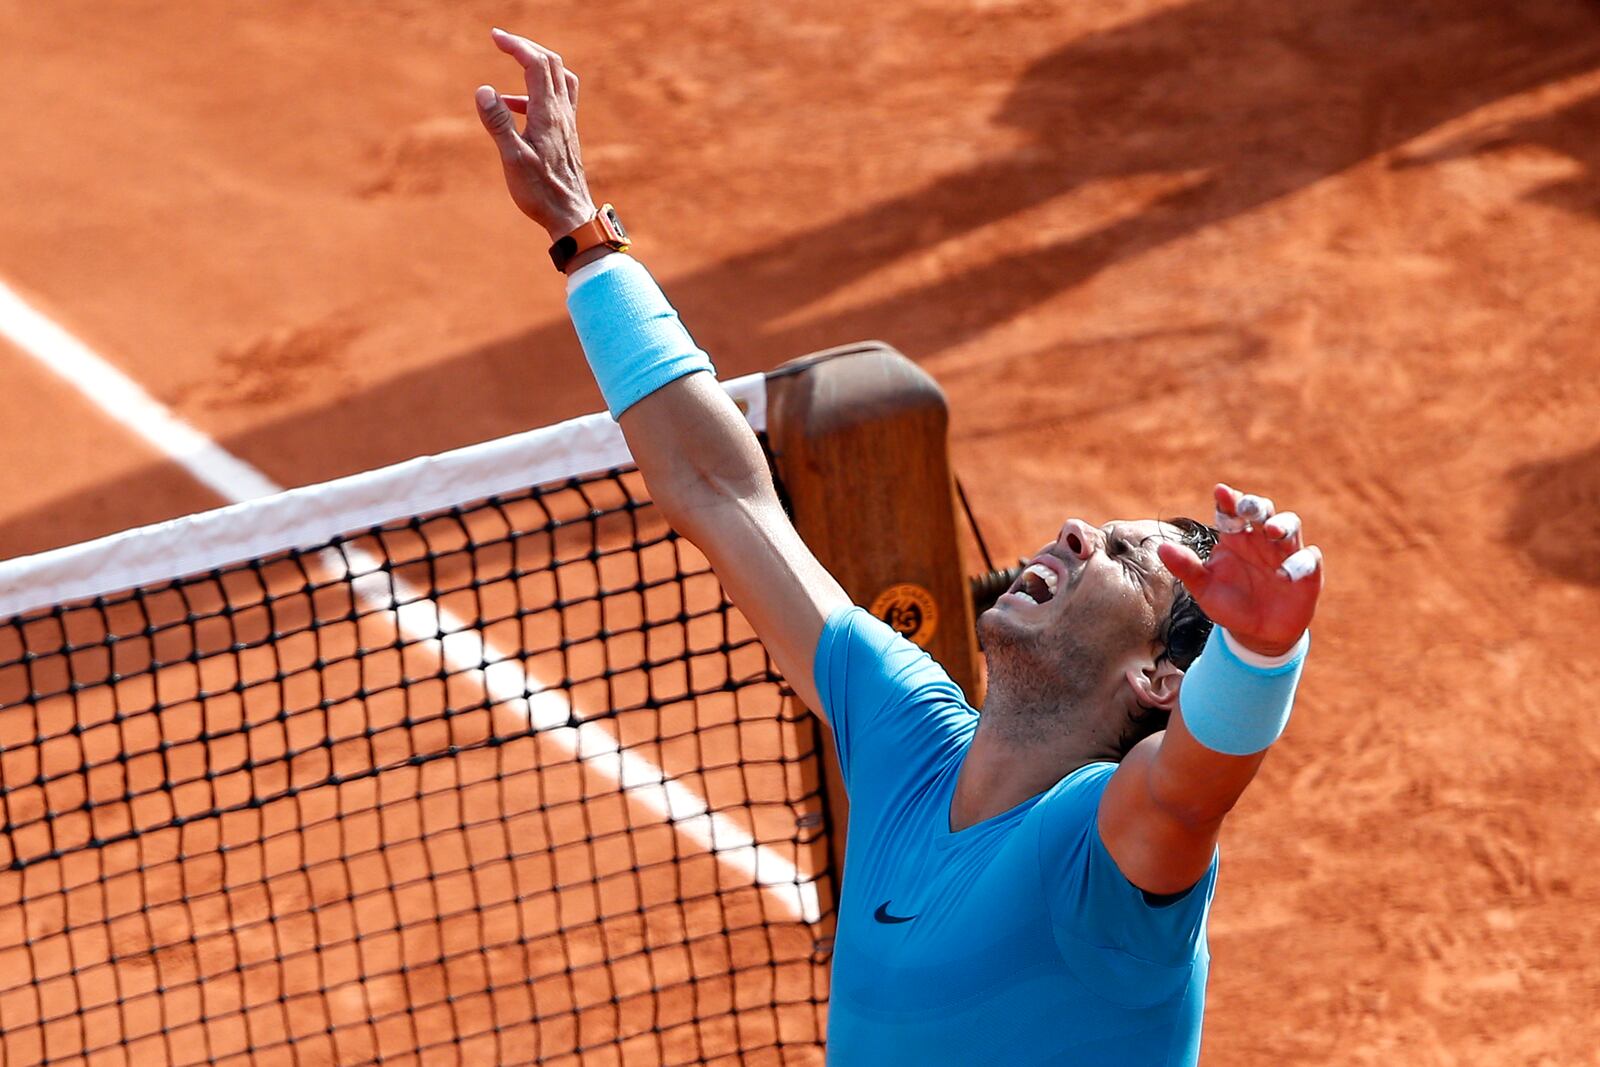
point(699, 457)
point(709, 476)
point(1163, 808)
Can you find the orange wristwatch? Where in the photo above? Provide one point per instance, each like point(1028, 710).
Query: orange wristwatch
point(605, 229)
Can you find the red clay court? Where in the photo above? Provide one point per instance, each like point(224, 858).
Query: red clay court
point(1341, 251)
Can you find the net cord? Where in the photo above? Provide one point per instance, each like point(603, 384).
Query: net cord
point(316, 514)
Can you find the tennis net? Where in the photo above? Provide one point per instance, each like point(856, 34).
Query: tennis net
point(420, 766)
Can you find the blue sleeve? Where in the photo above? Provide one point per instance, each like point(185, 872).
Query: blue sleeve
point(1112, 935)
point(880, 691)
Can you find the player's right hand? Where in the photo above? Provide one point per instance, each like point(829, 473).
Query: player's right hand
point(542, 162)
point(1261, 582)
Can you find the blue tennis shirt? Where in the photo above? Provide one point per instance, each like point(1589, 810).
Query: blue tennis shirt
point(1015, 941)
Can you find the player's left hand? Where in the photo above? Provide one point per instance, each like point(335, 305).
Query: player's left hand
point(1261, 582)
point(543, 162)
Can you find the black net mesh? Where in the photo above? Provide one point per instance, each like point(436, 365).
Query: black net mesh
point(512, 783)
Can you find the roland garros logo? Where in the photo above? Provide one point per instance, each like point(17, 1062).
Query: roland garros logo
point(909, 610)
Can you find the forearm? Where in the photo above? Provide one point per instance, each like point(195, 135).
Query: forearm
point(753, 548)
point(703, 464)
point(1164, 807)
point(690, 441)
point(1163, 810)
point(697, 453)
point(1232, 706)
point(1195, 785)
point(704, 467)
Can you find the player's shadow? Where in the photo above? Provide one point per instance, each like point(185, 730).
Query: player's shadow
point(1234, 104)
point(1554, 518)
point(1227, 105)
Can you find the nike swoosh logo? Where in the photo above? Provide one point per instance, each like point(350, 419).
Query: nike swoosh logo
point(883, 916)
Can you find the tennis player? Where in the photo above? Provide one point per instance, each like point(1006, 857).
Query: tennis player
point(1028, 885)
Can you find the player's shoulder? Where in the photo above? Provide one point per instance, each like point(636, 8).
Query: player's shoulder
point(854, 624)
point(1074, 801)
point(1082, 784)
point(857, 642)
point(878, 688)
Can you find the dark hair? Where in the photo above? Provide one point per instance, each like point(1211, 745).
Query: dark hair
point(1183, 631)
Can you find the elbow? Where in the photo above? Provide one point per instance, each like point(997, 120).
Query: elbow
point(694, 483)
point(695, 502)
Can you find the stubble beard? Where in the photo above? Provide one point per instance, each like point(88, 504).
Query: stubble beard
point(1041, 682)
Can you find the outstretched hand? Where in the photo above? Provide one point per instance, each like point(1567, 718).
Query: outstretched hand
point(1260, 583)
point(542, 162)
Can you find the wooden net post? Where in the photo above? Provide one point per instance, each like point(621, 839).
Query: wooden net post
point(859, 436)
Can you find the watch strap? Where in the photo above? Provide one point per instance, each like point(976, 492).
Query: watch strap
point(603, 230)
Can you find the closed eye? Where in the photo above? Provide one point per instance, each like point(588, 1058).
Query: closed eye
point(1123, 551)
point(1133, 560)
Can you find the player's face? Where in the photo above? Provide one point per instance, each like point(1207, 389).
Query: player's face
point(1104, 584)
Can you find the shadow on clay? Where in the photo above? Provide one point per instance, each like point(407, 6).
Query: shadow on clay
point(1555, 517)
point(1236, 103)
point(1568, 131)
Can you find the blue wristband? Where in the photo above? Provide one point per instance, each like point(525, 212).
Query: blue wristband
point(632, 337)
point(1233, 707)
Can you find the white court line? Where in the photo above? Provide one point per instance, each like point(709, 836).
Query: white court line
point(504, 681)
point(507, 685)
point(125, 401)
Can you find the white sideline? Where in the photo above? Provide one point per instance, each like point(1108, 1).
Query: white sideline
point(507, 686)
point(264, 518)
point(122, 398)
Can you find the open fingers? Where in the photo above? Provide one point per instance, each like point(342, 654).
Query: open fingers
point(519, 48)
point(1185, 566)
point(542, 68)
point(496, 118)
point(1239, 512)
point(1283, 531)
point(1306, 563)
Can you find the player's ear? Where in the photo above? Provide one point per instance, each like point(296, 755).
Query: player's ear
point(1155, 683)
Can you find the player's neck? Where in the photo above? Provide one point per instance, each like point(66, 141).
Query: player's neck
point(1012, 758)
point(1050, 718)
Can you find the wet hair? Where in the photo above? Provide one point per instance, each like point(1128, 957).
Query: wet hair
point(1183, 632)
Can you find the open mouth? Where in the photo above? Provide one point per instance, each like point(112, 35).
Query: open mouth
point(1036, 584)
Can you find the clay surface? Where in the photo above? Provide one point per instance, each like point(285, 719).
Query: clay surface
point(1344, 253)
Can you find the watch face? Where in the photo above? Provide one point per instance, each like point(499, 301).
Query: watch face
point(615, 223)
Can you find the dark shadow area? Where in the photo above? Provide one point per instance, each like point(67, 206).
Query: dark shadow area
point(1572, 131)
point(1239, 102)
point(1214, 352)
point(1555, 515)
